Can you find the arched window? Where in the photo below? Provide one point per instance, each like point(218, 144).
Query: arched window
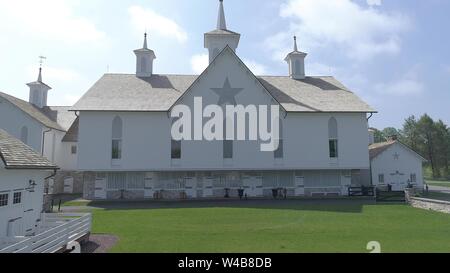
point(279, 153)
point(227, 144)
point(143, 64)
point(116, 152)
point(333, 137)
point(24, 134)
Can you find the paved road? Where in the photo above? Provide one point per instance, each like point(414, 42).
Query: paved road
point(439, 189)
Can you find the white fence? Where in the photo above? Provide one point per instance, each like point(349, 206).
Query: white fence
point(54, 233)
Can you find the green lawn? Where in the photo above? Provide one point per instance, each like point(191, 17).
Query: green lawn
point(439, 183)
point(286, 226)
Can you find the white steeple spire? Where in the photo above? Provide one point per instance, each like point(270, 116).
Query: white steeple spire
point(221, 22)
point(144, 60)
point(218, 39)
point(296, 62)
point(295, 44)
point(145, 41)
point(39, 90)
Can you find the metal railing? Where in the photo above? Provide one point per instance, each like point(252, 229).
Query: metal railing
point(54, 233)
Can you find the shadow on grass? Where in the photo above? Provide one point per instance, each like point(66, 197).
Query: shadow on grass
point(331, 205)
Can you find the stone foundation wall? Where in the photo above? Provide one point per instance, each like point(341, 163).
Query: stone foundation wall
point(58, 184)
point(427, 204)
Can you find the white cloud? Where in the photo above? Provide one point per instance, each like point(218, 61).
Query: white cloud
point(374, 2)
point(319, 69)
point(51, 19)
point(407, 84)
point(199, 63)
point(146, 19)
point(257, 68)
point(361, 32)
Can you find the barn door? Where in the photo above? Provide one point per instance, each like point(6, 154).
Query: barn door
point(149, 188)
point(208, 186)
point(299, 184)
point(68, 185)
point(100, 188)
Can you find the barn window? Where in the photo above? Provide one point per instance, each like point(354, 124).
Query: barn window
point(116, 151)
point(333, 138)
point(24, 134)
point(4, 200)
point(227, 144)
point(176, 149)
point(279, 153)
point(17, 198)
point(143, 65)
point(413, 178)
point(381, 178)
point(73, 149)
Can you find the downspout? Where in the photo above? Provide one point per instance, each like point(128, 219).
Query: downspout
point(43, 139)
point(370, 161)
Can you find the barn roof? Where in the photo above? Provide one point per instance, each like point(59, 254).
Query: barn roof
point(17, 155)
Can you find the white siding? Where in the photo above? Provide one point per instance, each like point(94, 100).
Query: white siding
point(408, 163)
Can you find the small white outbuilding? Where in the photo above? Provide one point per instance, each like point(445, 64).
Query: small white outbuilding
point(22, 175)
point(394, 163)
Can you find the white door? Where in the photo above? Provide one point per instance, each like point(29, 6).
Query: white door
point(15, 227)
point(191, 187)
point(149, 187)
point(68, 185)
point(208, 186)
point(397, 181)
point(253, 186)
point(299, 184)
point(100, 188)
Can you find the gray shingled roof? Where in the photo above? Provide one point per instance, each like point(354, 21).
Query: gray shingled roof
point(61, 115)
point(16, 155)
point(32, 111)
point(126, 92)
point(72, 133)
point(377, 148)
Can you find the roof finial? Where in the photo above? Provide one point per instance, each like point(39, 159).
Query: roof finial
point(221, 22)
point(295, 43)
point(41, 61)
point(145, 40)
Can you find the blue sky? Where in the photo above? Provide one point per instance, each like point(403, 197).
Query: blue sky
point(393, 53)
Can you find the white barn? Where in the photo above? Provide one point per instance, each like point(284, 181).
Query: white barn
point(394, 163)
point(126, 150)
point(22, 175)
point(46, 129)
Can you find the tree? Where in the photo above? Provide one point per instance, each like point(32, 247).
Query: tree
point(378, 136)
point(442, 145)
point(427, 132)
point(390, 132)
point(410, 134)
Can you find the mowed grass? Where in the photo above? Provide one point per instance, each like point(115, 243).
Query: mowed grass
point(277, 227)
point(439, 183)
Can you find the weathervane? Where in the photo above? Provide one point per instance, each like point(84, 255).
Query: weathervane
point(41, 60)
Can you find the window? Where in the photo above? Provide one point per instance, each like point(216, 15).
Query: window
point(3, 200)
point(333, 138)
point(381, 178)
point(116, 152)
point(297, 67)
point(143, 65)
point(228, 149)
point(73, 149)
point(17, 198)
point(413, 178)
point(333, 148)
point(24, 134)
point(176, 149)
point(279, 153)
point(117, 181)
